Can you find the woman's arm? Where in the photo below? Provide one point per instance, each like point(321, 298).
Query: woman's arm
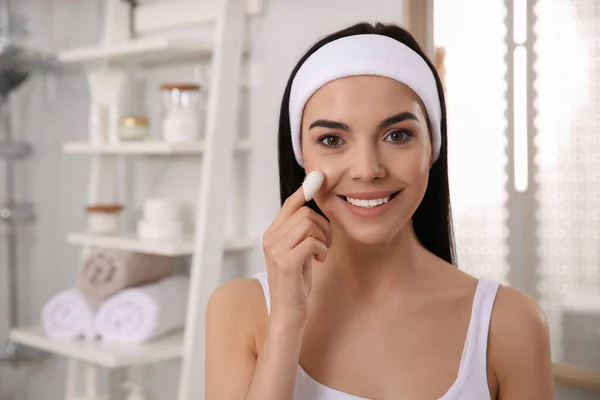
point(519, 348)
point(275, 374)
point(231, 318)
point(236, 313)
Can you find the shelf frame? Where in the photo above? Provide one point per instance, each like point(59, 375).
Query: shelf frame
point(167, 347)
point(143, 148)
point(144, 51)
point(130, 242)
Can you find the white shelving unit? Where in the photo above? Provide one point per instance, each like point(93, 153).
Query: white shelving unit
point(129, 242)
point(105, 66)
point(143, 148)
point(165, 348)
point(148, 51)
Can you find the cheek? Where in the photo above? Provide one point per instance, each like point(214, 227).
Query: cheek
point(316, 161)
point(420, 174)
point(418, 161)
point(332, 171)
point(425, 164)
point(410, 166)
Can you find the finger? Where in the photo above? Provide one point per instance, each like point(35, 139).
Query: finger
point(321, 257)
point(324, 225)
point(311, 185)
point(303, 214)
point(300, 231)
point(289, 207)
point(307, 275)
point(307, 249)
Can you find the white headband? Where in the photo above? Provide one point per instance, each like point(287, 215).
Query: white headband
point(365, 55)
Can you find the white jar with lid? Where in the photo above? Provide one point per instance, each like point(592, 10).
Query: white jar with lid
point(182, 112)
point(103, 218)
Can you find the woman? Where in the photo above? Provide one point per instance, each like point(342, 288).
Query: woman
point(361, 298)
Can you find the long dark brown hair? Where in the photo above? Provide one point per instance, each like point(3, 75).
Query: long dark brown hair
point(432, 220)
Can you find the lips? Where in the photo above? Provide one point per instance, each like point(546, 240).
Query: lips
point(370, 204)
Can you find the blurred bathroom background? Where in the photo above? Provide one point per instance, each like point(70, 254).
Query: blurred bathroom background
point(523, 97)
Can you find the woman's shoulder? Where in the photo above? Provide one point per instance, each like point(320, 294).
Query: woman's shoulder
point(243, 296)
point(517, 318)
point(238, 305)
point(519, 342)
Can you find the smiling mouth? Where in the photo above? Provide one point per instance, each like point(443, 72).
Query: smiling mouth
point(369, 203)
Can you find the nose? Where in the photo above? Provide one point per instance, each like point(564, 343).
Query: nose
point(365, 163)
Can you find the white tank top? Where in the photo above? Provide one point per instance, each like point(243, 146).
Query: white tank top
point(471, 382)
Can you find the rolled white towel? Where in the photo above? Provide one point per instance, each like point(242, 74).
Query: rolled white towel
point(141, 313)
point(68, 316)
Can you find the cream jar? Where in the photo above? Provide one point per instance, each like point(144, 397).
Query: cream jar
point(160, 231)
point(103, 218)
point(161, 220)
point(133, 128)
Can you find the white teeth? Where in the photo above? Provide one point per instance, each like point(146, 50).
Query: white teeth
point(367, 203)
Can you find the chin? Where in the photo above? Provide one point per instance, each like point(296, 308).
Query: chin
point(372, 235)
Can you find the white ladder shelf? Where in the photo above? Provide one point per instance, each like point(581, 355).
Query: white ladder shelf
point(208, 245)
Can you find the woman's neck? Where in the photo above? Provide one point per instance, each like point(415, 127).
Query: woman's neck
point(369, 269)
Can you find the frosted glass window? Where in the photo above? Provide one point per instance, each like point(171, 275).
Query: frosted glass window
point(568, 173)
point(472, 36)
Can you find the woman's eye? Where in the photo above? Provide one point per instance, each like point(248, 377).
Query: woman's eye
point(398, 136)
point(331, 141)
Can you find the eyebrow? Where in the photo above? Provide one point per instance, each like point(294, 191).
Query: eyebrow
point(394, 119)
point(329, 125)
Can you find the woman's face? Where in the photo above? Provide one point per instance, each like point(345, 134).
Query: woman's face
point(369, 136)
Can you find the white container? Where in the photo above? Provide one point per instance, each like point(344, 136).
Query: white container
point(160, 210)
point(181, 127)
point(182, 112)
point(165, 230)
point(98, 123)
point(103, 219)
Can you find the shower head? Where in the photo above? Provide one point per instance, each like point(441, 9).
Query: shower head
point(11, 79)
point(17, 62)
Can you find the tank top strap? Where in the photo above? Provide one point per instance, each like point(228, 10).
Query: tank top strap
point(264, 282)
point(479, 328)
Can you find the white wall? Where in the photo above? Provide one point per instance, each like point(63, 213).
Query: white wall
point(50, 112)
